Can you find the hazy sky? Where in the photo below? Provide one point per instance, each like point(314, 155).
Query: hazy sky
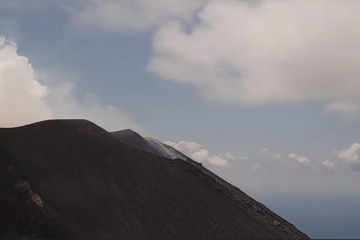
point(264, 93)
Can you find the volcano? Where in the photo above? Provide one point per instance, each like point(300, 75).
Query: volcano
point(73, 179)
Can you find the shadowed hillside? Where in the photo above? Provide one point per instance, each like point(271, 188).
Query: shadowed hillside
point(72, 179)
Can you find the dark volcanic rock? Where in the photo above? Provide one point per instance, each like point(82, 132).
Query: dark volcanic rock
point(72, 179)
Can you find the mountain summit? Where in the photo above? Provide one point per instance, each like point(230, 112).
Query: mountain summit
point(72, 179)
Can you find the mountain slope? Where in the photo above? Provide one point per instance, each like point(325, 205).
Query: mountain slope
point(72, 179)
point(151, 145)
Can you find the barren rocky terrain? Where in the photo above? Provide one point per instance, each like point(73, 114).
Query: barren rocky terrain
point(72, 179)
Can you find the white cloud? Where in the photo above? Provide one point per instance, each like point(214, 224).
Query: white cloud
point(351, 154)
point(278, 157)
point(328, 164)
point(23, 99)
point(264, 151)
point(115, 15)
point(198, 153)
point(256, 167)
point(274, 52)
point(229, 156)
point(201, 156)
point(300, 159)
point(21, 95)
point(217, 161)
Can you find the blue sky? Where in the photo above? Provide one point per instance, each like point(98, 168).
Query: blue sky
point(269, 103)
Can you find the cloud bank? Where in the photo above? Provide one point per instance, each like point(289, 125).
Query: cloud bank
point(268, 171)
point(273, 52)
point(265, 157)
point(246, 52)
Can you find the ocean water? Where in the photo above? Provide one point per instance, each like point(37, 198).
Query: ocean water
point(320, 216)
